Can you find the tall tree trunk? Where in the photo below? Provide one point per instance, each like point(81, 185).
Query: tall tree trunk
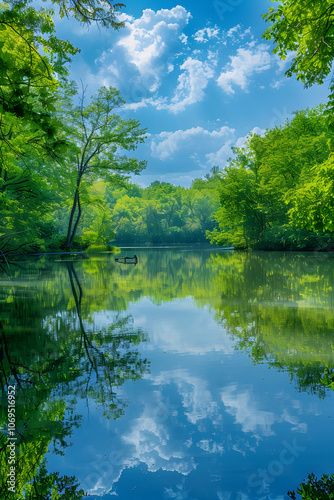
point(76, 203)
point(70, 222)
point(77, 221)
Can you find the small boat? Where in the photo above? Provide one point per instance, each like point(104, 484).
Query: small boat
point(127, 260)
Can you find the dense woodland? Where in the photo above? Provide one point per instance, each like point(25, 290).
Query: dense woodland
point(66, 159)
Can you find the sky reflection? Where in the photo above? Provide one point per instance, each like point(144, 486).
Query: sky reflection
point(204, 424)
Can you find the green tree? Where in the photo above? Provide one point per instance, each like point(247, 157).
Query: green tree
point(313, 200)
point(32, 61)
point(53, 354)
point(27, 78)
point(306, 28)
point(258, 189)
point(96, 138)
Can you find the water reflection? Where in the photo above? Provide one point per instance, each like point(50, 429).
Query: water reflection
point(204, 422)
point(54, 356)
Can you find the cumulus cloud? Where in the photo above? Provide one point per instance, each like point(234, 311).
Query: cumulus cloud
point(219, 157)
point(150, 38)
point(252, 419)
point(144, 52)
point(151, 445)
point(183, 38)
point(167, 333)
point(249, 60)
point(246, 411)
point(206, 34)
point(197, 400)
point(233, 30)
point(191, 85)
point(154, 50)
point(165, 144)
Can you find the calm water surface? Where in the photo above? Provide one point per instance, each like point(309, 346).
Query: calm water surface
point(195, 374)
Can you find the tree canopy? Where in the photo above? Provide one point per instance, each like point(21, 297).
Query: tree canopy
point(97, 137)
point(305, 29)
point(277, 192)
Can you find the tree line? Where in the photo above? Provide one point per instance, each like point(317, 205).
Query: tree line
point(65, 168)
point(52, 149)
point(277, 193)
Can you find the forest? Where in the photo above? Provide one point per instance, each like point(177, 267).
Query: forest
point(66, 178)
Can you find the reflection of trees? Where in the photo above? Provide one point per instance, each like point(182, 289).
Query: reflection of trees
point(278, 307)
point(51, 350)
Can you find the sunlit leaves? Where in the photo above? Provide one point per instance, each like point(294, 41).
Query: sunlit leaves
point(163, 213)
point(313, 200)
point(276, 182)
point(97, 138)
point(306, 29)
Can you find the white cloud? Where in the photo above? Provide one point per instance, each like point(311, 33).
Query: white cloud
point(191, 85)
point(166, 144)
point(237, 33)
point(213, 57)
point(150, 39)
point(184, 39)
point(277, 84)
point(233, 30)
point(122, 17)
point(197, 400)
point(241, 406)
point(144, 53)
point(206, 34)
point(245, 409)
point(166, 334)
point(219, 157)
point(249, 60)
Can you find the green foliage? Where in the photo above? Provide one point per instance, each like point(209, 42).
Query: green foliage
point(328, 378)
point(33, 62)
point(306, 29)
point(102, 13)
point(51, 350)
point(313, 200)
point(52, 486)
point(276, 194)
point(163, 213)
point(96, 139)
point(102, 248)
point(315, 489)
point(289, 238)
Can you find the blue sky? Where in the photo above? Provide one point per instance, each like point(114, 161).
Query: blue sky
point(197, 75)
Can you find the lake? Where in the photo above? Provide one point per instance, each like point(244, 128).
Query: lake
point(195, 374)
